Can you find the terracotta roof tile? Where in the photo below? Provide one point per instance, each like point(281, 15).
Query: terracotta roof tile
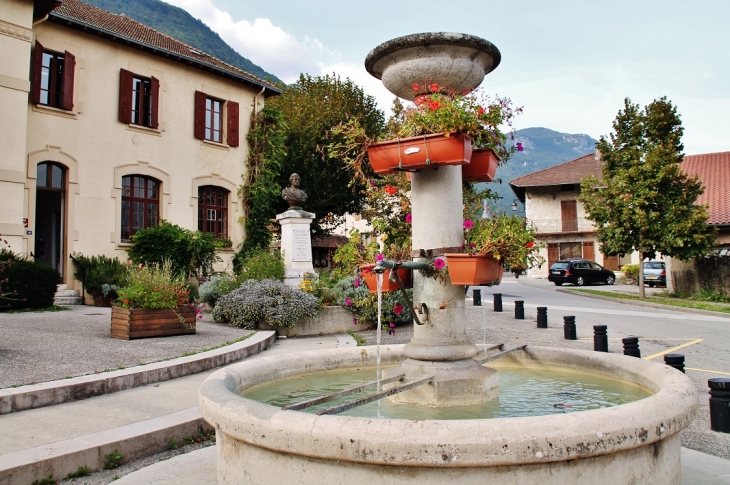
point(124, 28)
point(565, 173)
point(713, 170)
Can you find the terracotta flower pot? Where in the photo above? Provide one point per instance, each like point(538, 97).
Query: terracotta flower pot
point(369, 276)
point(419, 152)
point(482, 168)
point(467, 269)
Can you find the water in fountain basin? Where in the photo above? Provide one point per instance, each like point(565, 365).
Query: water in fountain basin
point(378, 374)
point(524, 391)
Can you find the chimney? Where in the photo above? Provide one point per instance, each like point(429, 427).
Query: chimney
point(598, 154)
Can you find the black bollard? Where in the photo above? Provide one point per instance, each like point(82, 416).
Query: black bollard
point(719, 404)
point(631, 346)
point(519, 310)
point(569, 329)
point(477, 297)
point(498, 302)
point(542, 317)
point(675, 360)
point(600, 338)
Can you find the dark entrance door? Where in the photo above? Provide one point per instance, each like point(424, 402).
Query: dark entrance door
point(50, 217)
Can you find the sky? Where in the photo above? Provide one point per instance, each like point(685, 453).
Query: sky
point(569, 63)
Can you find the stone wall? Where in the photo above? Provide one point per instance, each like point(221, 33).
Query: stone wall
point(711, 273)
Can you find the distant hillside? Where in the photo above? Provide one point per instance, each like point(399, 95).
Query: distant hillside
point(179, 24)
point(543, 148)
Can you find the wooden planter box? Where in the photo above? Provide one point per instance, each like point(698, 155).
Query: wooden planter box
point(467, 269)
point(419, 152)
point(131, 323)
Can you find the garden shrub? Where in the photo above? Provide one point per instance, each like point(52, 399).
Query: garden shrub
point(217, 286)
point(101, 275)
point(269, 300)
point(631, 271)
point(153, 286)
point(352, 293)
point(191, 252)
point(261, 265)
point(24, 283)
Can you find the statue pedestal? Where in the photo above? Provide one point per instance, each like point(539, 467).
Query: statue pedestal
point(296, 245)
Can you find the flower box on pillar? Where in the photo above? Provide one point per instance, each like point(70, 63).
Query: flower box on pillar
point(419, 152)
point(477, 269)
point(366, 272)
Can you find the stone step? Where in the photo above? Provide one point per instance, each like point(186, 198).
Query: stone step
point(67, 300)
point(61, 287)
point(67, 293)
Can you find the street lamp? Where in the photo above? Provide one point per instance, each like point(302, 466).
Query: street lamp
point(514, 205)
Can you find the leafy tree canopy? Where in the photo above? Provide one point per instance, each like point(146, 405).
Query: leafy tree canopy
point(310, 107)
point(645, 201)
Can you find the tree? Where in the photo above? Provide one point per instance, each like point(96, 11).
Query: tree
point(646, 202)
point(310, 107)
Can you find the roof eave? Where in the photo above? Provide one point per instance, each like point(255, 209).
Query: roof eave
point(268, 89)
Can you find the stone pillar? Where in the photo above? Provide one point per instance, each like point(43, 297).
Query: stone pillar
point(440, 347)
point(296, 245)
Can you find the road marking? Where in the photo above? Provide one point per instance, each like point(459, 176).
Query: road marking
point(708, 371)
point(674, 349)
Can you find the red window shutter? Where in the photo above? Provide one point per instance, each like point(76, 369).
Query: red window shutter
point(199, 129)
point(35, 92)
point(232, 123)
point(69, 68)
point(154, 101)
point(569, 214)
point(126, 79)
point(588, 252)
point(553, 253)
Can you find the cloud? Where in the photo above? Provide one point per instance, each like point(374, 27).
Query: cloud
point(262, 42)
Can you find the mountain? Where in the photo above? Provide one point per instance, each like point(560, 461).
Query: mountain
point(179, 24)
point(542, 148)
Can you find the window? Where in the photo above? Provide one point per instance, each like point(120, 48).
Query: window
point(209, 116)
point(138, 99)
point(213, 211)
point(49, 176)
point(53, 78)
point(569, 215)
point(570, 250)
point(140, 204)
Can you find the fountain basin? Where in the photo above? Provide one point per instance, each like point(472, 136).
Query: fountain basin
point(630, 443)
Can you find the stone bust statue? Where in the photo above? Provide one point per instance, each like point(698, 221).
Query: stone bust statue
point(293, 194)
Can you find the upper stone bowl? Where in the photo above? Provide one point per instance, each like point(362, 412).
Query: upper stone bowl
point(454, 61)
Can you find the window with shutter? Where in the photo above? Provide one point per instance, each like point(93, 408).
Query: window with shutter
point(569, 215)
point(53, 78)
point(232, 107)
point(209, 119)
point(138, 99)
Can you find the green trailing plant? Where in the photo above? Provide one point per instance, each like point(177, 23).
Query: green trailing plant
point(99, 273)
point(113, 460)
point(190, 252)
point(260, 190)
point(24, 283)
point(505, 238)
point(269, 301)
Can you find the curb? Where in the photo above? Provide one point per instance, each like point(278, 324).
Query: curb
point(133, 441)
point(648, 304)
point(66, 390)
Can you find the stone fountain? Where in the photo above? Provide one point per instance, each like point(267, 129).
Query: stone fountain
point(260, 443)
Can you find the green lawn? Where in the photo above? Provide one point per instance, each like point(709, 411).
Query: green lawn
point(678, 302)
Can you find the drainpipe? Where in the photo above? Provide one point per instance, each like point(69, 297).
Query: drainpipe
point(41, 20)
point(255, 104)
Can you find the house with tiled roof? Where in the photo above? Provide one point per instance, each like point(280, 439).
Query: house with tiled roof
point(109, 126)
point(553, 209)
point(713, 170)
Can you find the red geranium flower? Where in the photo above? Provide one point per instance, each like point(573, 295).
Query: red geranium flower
point(398, 309)
point(530, 244)
point(435, 88)
point(389, 189)
point(416, 87)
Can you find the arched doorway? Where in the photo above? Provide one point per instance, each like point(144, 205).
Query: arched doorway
point(50, 214)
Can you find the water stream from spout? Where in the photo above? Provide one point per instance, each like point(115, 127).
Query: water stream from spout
point(379, 280)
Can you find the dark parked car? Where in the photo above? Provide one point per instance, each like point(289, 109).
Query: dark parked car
point(655, 273)
point(580, 272)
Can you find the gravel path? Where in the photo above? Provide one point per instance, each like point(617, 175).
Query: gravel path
point(46, 346)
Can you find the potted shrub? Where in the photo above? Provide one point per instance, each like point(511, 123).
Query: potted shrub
point(154, 302)
point(489, 244)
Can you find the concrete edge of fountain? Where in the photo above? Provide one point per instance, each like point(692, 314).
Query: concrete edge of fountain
point(456, 443)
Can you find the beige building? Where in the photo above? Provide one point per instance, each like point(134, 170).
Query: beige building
point(553, 209)
point(109, 126)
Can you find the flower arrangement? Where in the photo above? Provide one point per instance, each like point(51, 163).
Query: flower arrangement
point(154, 286)
point(351, 293)
point(505, 238)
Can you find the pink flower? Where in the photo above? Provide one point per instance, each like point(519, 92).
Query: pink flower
point(409, 218)
point(348, 301)
point(392, 325)
point(468, 224)
point(398, 309)
point(357, 282)
point(379, 257)
point(438, 263)
point(354, 321)
point(519, 147)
